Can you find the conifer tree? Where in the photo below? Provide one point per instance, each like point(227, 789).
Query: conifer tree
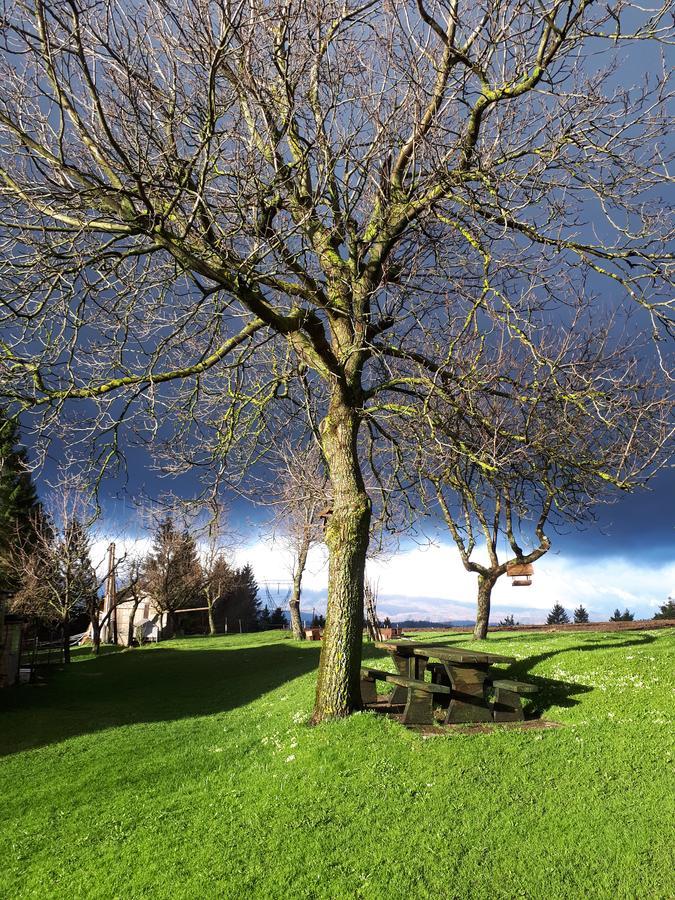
point(580, 615)
point(557, 616)
point(625, 616)
point(172, 572)
point(18, 501)
point(667, 611)
point(248, 597)
point(277, 618)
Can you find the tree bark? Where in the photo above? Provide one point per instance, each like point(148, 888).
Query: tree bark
point(294, 602)
point(347, 534)
point(130, 629)
point(485, 585)
point(212, 621)
point(95, 634)
point(66, 640)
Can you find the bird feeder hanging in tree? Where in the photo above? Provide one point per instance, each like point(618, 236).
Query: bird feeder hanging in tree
point(520, 574)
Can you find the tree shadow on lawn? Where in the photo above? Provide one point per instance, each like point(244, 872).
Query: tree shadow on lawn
point(151, 685)
point(561, 693)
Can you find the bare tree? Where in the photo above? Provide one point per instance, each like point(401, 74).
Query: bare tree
point(224, 204)
point(218, 576)
point(132, 588)
point(298, 493)
point(54, 569)
point(490, 485)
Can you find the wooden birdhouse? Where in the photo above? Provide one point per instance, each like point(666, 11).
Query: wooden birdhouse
point(520, 574)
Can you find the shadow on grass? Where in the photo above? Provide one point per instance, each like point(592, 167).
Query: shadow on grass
point(161, 683)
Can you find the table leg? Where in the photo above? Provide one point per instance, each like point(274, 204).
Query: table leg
point(507, 706)
point(419, 708)
point(468, 701)
point(400, 694)
point(410, 667)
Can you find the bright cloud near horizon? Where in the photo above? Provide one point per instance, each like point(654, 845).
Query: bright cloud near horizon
point(430, 582)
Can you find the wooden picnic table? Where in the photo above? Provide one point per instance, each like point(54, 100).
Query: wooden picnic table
point(467, 672)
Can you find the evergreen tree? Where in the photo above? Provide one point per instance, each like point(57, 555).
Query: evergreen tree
point(18, 501)
point(580, 615)
point(625, 616)
point(278, 618)
point(318, 621)
point(248, 597)
point(557, 616)
point(219, 578)
point(667, 611)
point(508, 622)
point(172, 572)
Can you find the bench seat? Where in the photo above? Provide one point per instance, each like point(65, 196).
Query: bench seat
point(419, 708)
point(506, 706)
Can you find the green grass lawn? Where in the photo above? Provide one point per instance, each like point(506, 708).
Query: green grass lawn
point(188, 770)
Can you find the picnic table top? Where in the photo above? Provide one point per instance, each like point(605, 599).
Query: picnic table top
point(452, 654)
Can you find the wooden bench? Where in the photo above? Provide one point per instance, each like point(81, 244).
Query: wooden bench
point(419, 707)
point(506, 706)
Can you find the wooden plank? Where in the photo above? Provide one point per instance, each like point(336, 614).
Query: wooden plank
point(440, 651)
point(402, 681)
point(460, 655)
point(517, 687)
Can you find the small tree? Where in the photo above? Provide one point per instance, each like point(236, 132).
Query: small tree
point(625, 616)
point(172, 574)
point(299, 491)
point(580, 615)
point(85, 583)
point(218, 576)
point(557, 616)
point(219, 584)
point(278, 618)
point(131, 575)
point(667, 611)
point(508, 622)
point(242, 602)
point(57, 581)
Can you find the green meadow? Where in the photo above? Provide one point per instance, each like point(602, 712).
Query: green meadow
point(188, 769)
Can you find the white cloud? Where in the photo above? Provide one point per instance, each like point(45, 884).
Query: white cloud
point(429, 582)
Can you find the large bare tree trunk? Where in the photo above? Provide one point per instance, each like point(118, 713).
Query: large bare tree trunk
point(347, 533)
point(294, 602)
point(485, 585)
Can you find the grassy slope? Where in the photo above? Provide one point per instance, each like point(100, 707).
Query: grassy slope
point(186, 770)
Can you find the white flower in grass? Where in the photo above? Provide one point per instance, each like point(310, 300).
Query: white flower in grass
point(290, 758)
